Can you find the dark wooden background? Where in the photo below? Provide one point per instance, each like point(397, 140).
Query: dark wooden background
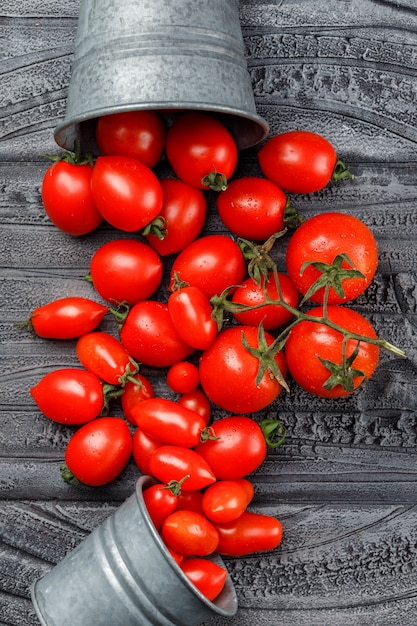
point(344, 484)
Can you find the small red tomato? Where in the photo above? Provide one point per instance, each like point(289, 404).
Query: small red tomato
point(174, 462)
point(249, 533)
point(136, 390)
point(197, 401)
point(224, 501)
point(143, 448)
point(183, 377)
point(160, 501)
point(105, 356)
point(189, 533)
point(66, 318)
point(190, 501)
point(207, 576)
point(191, 315)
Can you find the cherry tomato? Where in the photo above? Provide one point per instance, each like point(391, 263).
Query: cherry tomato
point(198, 145)
point(99, 451)
point(189, 533)
point(67, 198)
point(137, 134)
point(207, 576)
point(250, 294)
point(160, 501)
point(252, 207)
point(321, 239)
point(317, 341)
point(126, 192)
point(174, 462)
point(190, 501)
point(184, 211)
point(211, 263)
point(239, 449)
point(249, 533)
point(125, 270)
point(150, 337)
point(136, 390)
point(224, 501)
point(183, 377)
point(228, 371)
point(191, 314)
point(105, 356)
point(169, 422)
point(143, 448)
point(197, 401)
point(66, 318)
point(298, 161)
point(69, 396)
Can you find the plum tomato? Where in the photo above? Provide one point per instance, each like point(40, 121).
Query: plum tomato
point(66, 318)
point(249, 533)
point(137, 389)
point(224, 501)
point(105, 356)
point(183, 377)
point(171, 462)
point(143, 448)
point(189, 533)
point(207, 576)
point(196, 401)
point(160, 501)
point(191, 314)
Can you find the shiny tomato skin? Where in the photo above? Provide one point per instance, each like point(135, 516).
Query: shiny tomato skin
point(125, 270)
point(228, 372)
point(207, 576)
point(191, 314)
point(99, 450)
point(184, 210)
point(150, 337)
point(126, 192)
point(160, 502)
point(198, 144)
point(133, 394)
point(190, 501)
point(239, 450)
point(175, 462)
point(69, 396)
point(197, 401)
point(189, 533)
point(252, 207)
point(320, 239)
point(67, 198)
point(298, 161)
point(272, 316)
point(104, 355)
point(67, 318)
point(312, 339)
point(249, 533)
point(183, 377)
point(143, 448)
point(137, 134)
point(211, 263)
point(224, 501)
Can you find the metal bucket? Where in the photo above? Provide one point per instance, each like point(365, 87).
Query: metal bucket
point(123, 575)
point(164, 55)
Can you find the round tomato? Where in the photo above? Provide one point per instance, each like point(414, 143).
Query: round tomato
point(66, 318)
point(236, 379)
point(321, 370)
point(197, 401)
point(189, 533)
point(98, 451)
point(125, 270)
point(160, 501)
point(137, 134)
point(183, 213)
point(324, 238)
point(238, 449)
point(183, 377)
point(211, 263)
point(224, 501)
point(249, 533)
point(175, 462)
point(136, 390)
point(207, 576)
point(298, 161)
point(143, 448)
point(150, 337)
point(126, 192)
point(201, 150)
point(106, 357)
point(252, 207)
point(191, 314)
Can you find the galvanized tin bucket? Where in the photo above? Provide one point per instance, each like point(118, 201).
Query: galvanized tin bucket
point(123, 575)
point(165, 55)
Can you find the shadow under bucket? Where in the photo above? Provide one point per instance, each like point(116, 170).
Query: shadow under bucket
point(123, 575)
point(163, 55)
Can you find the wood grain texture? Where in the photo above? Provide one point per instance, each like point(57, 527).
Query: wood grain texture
point(344, 483)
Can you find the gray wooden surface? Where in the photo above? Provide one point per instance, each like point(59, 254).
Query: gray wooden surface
point(344, 484)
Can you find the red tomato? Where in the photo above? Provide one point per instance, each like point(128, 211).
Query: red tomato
point(211, 263)
point(160, 501)
point(183, 377)
point(66, 318)
point(169, 422)
point(99, 451)
point(228, 371)
point(249, 533)
point(298, 161)
point(272, 316)
point(189, 533)
point(178, 558)
point(143, 448)
point(150, 337)
point(137, 134)
point(321, 239)
point(198, 145)
point(184, 212)
point(224, 501)
point(248, 487)
point(239, 450)
point(316, 341)
point(105, 356)
point(252, 207)
point(67, 198)
point(136, 390)
point(126, 192)
point(207, 576)
point(174, 462)
point(125, 270)
point(190, 501)
point(191, 314)
point(69, 396)
point(197, 401)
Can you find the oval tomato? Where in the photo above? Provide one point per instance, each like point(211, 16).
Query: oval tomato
point(106, 357)
point(126, 192)
point(160, 501)
point(317, 342)
point(197, 401)
point(183, 377)
point(189, 533)
point(224, 501)
point(175, 462)
point(136, 390)
point(143, 448)
point(249, 533)
point(125, 270)
point(191, 314)
point(190, 501)
point(66, 318)
point(322, 238)
point(207, 576)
